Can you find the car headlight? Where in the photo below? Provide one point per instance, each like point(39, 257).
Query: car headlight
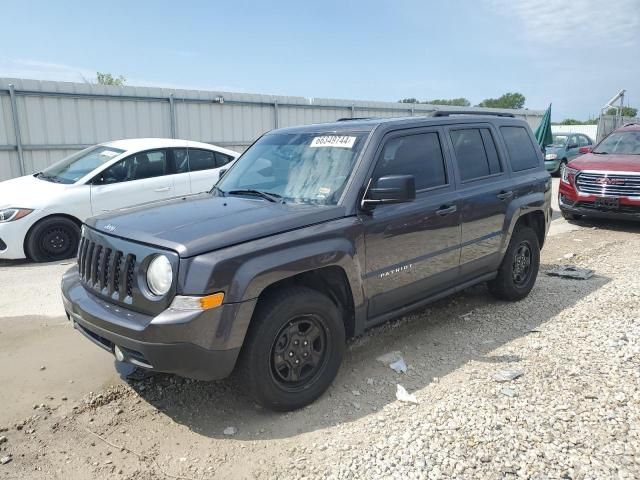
point(551, 156)
point(11, 214)
point(568, 174)
point(160, 275)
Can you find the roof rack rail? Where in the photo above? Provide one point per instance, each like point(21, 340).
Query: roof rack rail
point(446, 113)
point(348, 119)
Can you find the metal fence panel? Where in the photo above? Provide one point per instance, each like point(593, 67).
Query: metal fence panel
point(608, 123)
point(57, 118)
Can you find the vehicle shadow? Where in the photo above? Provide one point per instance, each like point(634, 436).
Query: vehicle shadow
point(434, 342)
point(605, 224)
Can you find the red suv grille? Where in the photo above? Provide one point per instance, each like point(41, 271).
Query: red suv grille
point(622, 185)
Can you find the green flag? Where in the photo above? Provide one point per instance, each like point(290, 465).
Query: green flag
point(543, 132)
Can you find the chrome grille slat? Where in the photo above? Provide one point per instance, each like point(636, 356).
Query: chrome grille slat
point(604, 184)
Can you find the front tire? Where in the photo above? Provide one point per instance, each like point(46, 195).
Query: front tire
point(519, 268)
point(53, 239)
point(293, 350)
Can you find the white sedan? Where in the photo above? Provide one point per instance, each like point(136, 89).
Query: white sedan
point(41, 214)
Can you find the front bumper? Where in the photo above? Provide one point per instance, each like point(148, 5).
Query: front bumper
point(552, 166)
point(12, 235)
point(585, 205)
point(202, 345)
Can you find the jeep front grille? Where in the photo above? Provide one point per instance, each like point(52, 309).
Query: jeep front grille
point(107, 271)
point(621, 185)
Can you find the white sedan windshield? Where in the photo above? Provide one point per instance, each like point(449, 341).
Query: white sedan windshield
point(73, 168)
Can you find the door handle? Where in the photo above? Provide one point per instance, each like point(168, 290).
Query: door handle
point(446, 210)
point(162, 189)
point(504, 195)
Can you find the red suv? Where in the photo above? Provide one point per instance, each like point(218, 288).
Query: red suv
point(605, 182)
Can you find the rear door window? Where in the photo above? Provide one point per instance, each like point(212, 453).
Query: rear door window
point(522, 154)
point(476, 153)
point(201, 160)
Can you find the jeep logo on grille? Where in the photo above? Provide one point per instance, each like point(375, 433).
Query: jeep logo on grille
point(610, 181)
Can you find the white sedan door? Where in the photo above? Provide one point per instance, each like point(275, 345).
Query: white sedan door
point(141, 178)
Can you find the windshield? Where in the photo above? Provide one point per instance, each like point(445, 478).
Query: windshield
point(621, 143)
point(296, 167)
point(73, 168)
point(559, 140)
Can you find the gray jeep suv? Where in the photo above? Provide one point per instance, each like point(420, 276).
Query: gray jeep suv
point(316, 234)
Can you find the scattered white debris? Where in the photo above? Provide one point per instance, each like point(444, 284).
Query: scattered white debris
point(399, 366)
point(390, 357)
point(230, 431)
point(507, 375)
point(404, 396)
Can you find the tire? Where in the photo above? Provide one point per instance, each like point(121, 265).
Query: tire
point(570, 216)
point(53, 239)
point(514, 283)
point(266, 367)
point(563, 164)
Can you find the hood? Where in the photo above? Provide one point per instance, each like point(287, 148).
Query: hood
point(610, 162)
point(203, 223)
point(28, 192)
point(553, 148)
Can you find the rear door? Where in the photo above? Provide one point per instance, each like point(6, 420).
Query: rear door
point(140, 178)
point(412, 249)
point(485, 190)
point(573, 146)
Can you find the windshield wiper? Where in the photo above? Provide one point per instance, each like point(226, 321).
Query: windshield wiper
point(49, 178)
point(272, 197)
point(601, 153)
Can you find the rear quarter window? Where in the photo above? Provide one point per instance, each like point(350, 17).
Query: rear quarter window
point(523, 155)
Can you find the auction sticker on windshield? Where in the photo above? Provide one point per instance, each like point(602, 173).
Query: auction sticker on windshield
point(340, 141)
point(109, 153)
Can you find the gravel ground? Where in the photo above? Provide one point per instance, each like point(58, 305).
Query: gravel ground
point(572, 412)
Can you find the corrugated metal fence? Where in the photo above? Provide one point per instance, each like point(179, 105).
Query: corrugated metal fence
point(43, 121)
point(608, 123)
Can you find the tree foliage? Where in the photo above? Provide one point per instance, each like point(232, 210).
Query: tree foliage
point(626, 111)
point(508, 100)
point(108, 79)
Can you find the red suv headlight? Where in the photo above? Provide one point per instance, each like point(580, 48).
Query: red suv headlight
point(568, 175)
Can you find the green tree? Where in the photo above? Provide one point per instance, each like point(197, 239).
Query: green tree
point(571, 121)
point(456, 102)
point(508, 100)
point(626, 111)
point(409, 100)
point(108, 79)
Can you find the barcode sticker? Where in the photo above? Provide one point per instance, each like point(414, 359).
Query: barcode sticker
point(340, 141)
point(109, 153)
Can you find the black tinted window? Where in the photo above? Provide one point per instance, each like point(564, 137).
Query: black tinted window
point(222, 159)
point(522, 153)
point(181, 160)
point(418, 155)
point(137, 167)
point(476, 153)
point(201, 160)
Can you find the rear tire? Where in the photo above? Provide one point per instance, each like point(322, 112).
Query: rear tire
point(53, 239)
point(519, 268)
point(293, 350)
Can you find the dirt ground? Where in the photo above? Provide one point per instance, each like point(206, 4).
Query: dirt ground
point(68, 410)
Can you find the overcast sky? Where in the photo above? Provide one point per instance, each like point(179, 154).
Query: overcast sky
point(576, 54)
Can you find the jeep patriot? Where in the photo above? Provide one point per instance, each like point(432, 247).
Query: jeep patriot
point(314, 235)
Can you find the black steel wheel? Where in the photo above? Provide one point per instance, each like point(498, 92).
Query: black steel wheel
point(293, 349)
point(299, 352)
point(53, 239)
point(521, 268)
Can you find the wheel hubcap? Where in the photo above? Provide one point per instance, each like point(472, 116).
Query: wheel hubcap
point(522, 264)
point(299, 351)
point(56, 241)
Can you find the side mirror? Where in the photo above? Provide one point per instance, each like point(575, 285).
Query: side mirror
point(584, 149)
point(573, 145)
point(391, 189)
